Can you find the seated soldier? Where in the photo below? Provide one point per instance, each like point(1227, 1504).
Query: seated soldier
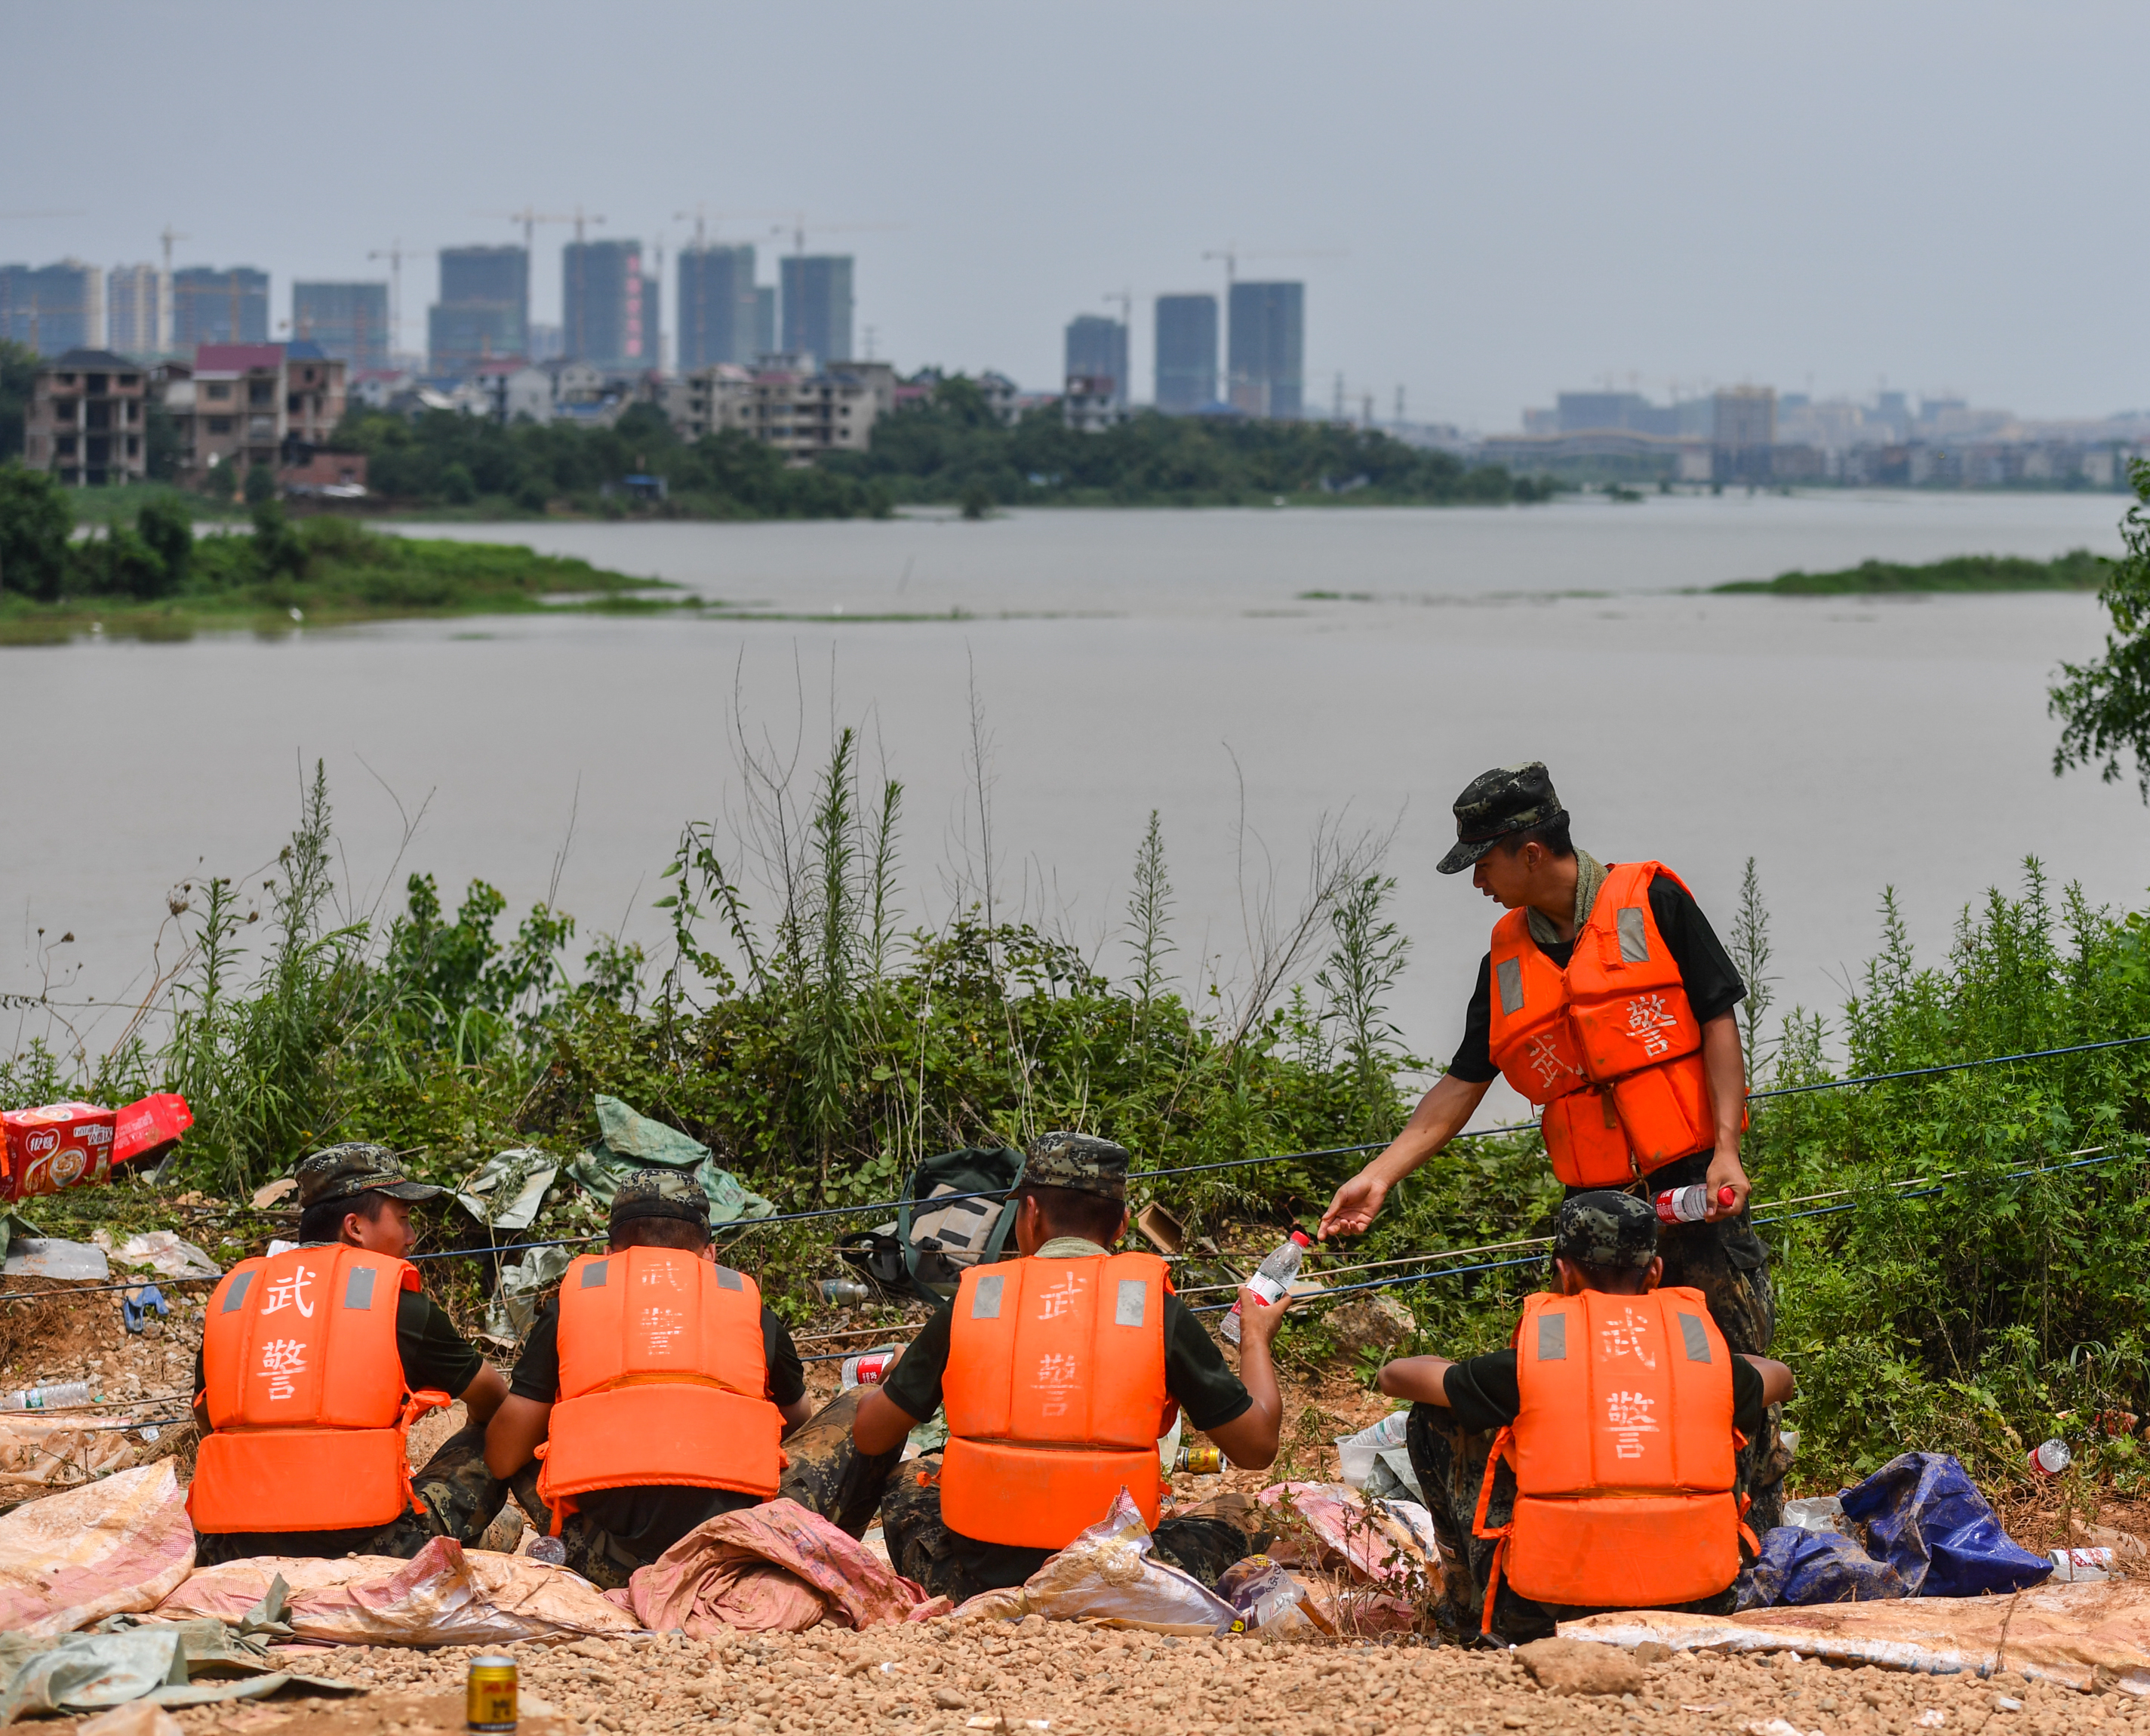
point(314, 1362)
point(1059, 1372)
point(1592, 1466)
point(653, 1390)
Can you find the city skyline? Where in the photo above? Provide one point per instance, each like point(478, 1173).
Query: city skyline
point(1517, 203)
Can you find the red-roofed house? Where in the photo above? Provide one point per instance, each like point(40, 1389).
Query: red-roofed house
point(249, 404)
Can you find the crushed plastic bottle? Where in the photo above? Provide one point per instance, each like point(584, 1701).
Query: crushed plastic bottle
point(1690, 1204)
point(1273, 1278)
point(56, 1397)
point(551, 1551)
point(2073, 1566)
point(2050, 1458)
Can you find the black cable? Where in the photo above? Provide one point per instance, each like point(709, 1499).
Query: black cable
point(1951, 1066)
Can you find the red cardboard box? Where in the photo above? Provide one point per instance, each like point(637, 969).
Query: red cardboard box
point(57, 1146)
point(149, 1125)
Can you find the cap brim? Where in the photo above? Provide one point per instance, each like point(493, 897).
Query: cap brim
point(1464, 855)
point(409, 1191)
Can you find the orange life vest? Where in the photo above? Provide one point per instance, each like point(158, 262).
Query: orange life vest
point(1055, 1396)
point(1608, 1046)
point(1623, 1453)
point(306, 1394)
point(663, 1381)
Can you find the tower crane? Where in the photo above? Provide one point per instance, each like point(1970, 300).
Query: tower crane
point(396, 253)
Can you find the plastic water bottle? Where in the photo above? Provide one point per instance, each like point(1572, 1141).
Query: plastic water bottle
point(1691, 1204)
point(2050, 1458)
point(1273, 1278)
point(49, 1398)
point(1389, 1431)
point(2073, 1566)
point(869, 1367)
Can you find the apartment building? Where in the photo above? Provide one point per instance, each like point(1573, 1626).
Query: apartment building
point(803, 414)
point(256, 404)
point(87, 420)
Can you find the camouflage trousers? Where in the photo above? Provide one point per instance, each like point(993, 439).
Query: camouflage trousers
point(825, 1472)
point(1450, 1465)
point(461, 1499)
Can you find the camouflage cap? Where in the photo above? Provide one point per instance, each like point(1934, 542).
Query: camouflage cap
point(1507, 799)
point(344, 1171)
point(660, 1194)
point(1604, 1229)
point(1079, 1160)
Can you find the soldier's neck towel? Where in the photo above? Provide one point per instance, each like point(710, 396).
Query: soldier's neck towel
point(1589, 877)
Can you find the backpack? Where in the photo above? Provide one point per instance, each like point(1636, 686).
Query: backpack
point(928, 1248)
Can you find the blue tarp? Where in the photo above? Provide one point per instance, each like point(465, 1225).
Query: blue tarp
point(1815, 1566)
point(1924, 1517)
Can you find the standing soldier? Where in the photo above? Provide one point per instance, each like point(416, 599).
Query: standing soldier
point(1605, 999)
point(314, 1363)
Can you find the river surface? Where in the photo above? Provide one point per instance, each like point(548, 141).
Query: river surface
point(1119, 662)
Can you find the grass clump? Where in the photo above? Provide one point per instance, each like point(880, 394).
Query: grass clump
point(2077, 570)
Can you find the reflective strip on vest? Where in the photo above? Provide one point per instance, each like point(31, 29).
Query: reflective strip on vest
point(1055, 1394)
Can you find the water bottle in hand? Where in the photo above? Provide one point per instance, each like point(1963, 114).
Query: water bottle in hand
point(1272, 1278)
point(1690, 1205)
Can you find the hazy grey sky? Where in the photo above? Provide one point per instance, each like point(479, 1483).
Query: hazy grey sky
point(1523, 197)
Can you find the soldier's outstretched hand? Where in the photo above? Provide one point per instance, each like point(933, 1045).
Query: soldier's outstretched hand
point(1355, 1205)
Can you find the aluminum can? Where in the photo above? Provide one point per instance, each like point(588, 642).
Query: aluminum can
point(489, 1697)
point(1200, 1461)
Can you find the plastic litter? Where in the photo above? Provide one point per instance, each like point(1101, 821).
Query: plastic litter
point(779, 1566)
point(1387, 1543)
point(60, 1454)
point(162, 1251)
point(1924, 1517)
point(1109, 1576)
point(58, 1396)
point(1817, 1512)
point(445, 1595)
point(49, 1257)
point(122, 1662)
point(1270, 1595)
point(2076, 1565)
point(1272, 1278)
point(508, 1190)
point(512, 1310)
point(1375, 1461)
point(627, 1142)
point(2080, 1637)
point(868, 1368)
point(2050, 1458)
point(116, 1545)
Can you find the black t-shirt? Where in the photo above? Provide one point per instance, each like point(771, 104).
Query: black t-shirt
point(1195, 1373)
point(433, 1353)
point(1713, 986)
point(1483, 1395)
point(649, 1519)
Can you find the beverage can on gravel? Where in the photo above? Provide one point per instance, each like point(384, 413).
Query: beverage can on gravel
point(490, 1701)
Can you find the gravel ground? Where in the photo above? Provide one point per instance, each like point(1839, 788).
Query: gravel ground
point(938, 1677)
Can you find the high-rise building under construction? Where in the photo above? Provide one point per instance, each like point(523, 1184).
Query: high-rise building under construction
point(138, 311)
point(1186, 352)
point(603, 317)
point(817, 291)
point(1096, 350)
point(484, 309)
point(1266, 357)
point(53, 308)
point(349, 321)
point(220, 307)
point(715, 317)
